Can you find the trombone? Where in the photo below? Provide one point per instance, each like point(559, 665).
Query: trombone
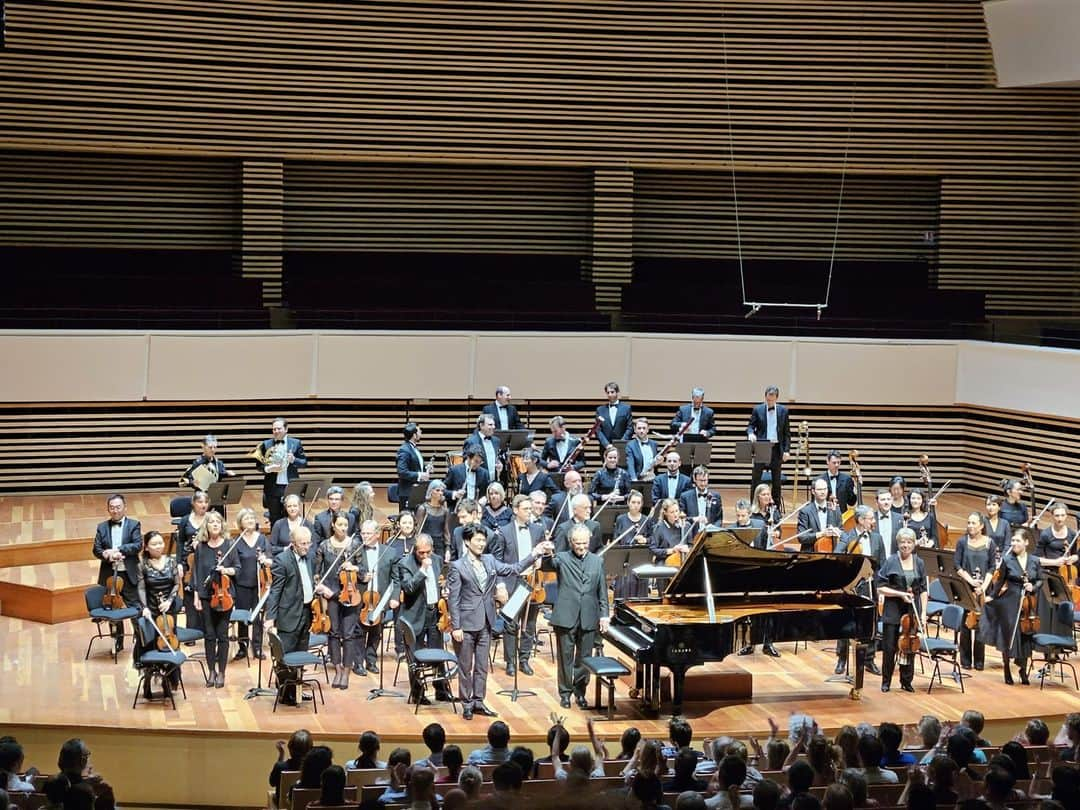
point(802, 457)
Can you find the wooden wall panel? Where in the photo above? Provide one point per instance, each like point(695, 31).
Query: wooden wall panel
point(262, 226)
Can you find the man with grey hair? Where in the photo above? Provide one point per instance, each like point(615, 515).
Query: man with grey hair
point(862, 539)
point(580, 509)
point(335, 496)
point(698, 414)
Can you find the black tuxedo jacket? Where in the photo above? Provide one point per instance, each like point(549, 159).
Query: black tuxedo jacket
point(706, 422)
point(455, 480)
point(322, 525)
point(846, 495)
point(295, 447)
point(562, 535)
point(478, 440)
point(503, 546)
point(660, 486)
point(759, 426)
point(876, 552)
point(131, 544)
point(512, 419)
point(414, 602)
point(550, 452)
point(285, 605)
point(689, 502)
point(621, 428)
point(408, 469)
point(809, 523)
point(555, 509)
point(635, 461)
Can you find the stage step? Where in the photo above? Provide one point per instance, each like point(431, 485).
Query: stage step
point(50, 592)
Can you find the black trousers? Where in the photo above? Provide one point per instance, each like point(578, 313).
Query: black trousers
point(216, 638)
point(511, 652)
point(966, 648)
point(428, 637)
point(368, 637)
point(343, 625)
point(294, 641)
point(272, 496)
point(573, 644)
point(192, 617)
point(889, 635)
point(774, 466)
point(247, 599)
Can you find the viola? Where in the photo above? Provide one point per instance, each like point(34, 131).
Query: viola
point(368, 601)
point(444, 608)
point(166, 625)
point(971, 620)
point(266, 576)
point(221, 598)
point(350, 595)
point(909, 639)
point(320, 619)
point(1029, 612)
point(114, 590)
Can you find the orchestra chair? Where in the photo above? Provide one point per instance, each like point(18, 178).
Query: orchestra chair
point(179, 508)
point(302, 797)
point(158, 662)
point(237, 617)
point(317, 646)
point(940, 649)
point(605, 670)
point(28, 801)
point(99, 614)
point(295, 661)
point(1054, 647)
point(428, 666)
point(936, 602)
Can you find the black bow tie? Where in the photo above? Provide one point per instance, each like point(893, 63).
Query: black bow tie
point(116, 522)
point(279, 441)
point(885, 516)
point(823, 509)
point(770, 410)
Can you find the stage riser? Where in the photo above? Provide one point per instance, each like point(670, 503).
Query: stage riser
point(41, 604)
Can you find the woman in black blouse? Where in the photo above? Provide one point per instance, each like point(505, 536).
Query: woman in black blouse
point(211, 548)
point(496, 513)
point(1014, 509)
point(1020, 574)
point(251, 552)
point(899, 494)
point(633, 527)
point(186, 532)
point(995, 526)
point(338, 553)
point(902, 581)
point(669, 534)
point(611, 482)
point(534, 478)
point(921, 521)
point(1055, 548)
point(281, 531)
point(432, 514)
point(159, 584)
point(975, 560)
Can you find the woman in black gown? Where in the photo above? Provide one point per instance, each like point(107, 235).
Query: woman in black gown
point(632, 529)
point(902, 582)
point(975, 560)
point(251, 552)
point(921, 521)
point(1019, 574)
point(159, 585)
point(1055, 549)
point(186, 532)
point(214, 556)
point(995, 526)
point(432, 514)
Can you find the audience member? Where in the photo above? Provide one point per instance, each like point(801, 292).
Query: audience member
point(974, 720)
point(800, 779)
point(55, 788)
point(683, 778)
point(333, 787)
point(766, 795)
point(421, 788)
point(470, 780)
point(11, 762)
point(847, 740)
point(455, 799)
point(645, 786)
point(452, 760)
point(628, 742)
point(315, 761)
point(855, 781)
point(1036, 732)
point(680, 735)
point(523, 758)
point(838, 797)
point(298, 745)
point(435, 739)
point(726, 785)
point(870, 755)
point(397, 767)
point(690, 800)
point(369, 753)
point(498, 748)
point(558, 740)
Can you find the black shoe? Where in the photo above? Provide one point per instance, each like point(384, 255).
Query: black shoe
point(907, 687)
point(769, 649)
point(241, 654)
point(373, 669)
point(260, 656)
point(306, 696)
point(511, 670)
point(1024, 677)
point(1008, 678)
point(582, 702)
point(885, 687)
point(980, 667)
point(564, 701)
point(466, 713)
point(525, 668)
point(445, 697)
point(424, 700)
point(841, 667)
point(481, 708)
point(872, 668)
point(747, 650)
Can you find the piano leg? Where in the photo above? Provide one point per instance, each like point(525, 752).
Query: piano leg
point(678, 681)
point(860, 663)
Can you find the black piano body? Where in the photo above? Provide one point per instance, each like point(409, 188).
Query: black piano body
point(728, 594)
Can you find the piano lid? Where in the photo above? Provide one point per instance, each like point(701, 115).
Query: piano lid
point(736, 568)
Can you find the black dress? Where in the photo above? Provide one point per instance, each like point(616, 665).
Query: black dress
point(927, 524)
point(247, 588)
point(157, 586)
point(999, 535)
point(434, 526)
point(541, 482)
point(215, 622)
point(893, 575)
point(977, 562)
point(1015, 513)
point(606, 481)
point(1052, 548)
point(998, 625)
point(343, 618)
point(185, 537)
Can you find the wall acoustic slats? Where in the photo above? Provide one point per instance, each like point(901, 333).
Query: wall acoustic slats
point(613, 235)
point(117, 201)
point(436, 209)
point(73, 447)
point(262, 227)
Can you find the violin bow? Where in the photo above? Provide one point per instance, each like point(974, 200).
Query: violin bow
point(232, 548)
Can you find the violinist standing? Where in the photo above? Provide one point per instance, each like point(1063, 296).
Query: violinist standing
point(418, 574)
point(862, 539)
point(288, 607)
point(334, 558)
point(921, 521)
point(252, 551)
point(376, 573)
point(118, 541)
point(1056, 549)
point(902, 581)
point(211, 545)
point(974, 560)
point(158, 586)
point(1020, 575)
point(185, 545)
point(510, 545)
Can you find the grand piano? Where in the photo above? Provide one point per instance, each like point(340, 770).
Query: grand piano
point(728, 594)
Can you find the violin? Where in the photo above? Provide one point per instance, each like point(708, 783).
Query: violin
point(1029, 612)
point(909, 640)
point(221, 598)
point(114, 590)
point(971, 620)
point(350, 595)
point(320, 619)
point(166, 625)
point(444, 624)
point(266, 576)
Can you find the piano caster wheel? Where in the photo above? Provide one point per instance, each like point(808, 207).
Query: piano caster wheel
point(635, 694)
point(855, 694)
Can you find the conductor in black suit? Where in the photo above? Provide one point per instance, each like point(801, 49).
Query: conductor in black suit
point(119, 541)
point(841, 484)
point(283, 457)
point(864, 539)
point(700, 416)
point(418, 573)
point(411, 469)
point(581, 609)
point(616, 420)
point(769, 422)
point(288, 607)
point(504, 414)
point(471, 581)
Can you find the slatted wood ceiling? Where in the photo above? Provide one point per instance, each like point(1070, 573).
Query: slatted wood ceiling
point(71, 447)
point(772, 85)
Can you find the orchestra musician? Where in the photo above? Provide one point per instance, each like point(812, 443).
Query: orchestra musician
point(411, 469)
point(744, 519)
point(208, 458)
point(769, 422)
point(468, 479)
point(671, 483)
point(999, 625)
point(572, 486)
point(921, 521)
point(288, 607)
point(1014, 509)
point(489, 444)
point(502, 411)
point(534, 479)
point(158, 586)
point(580, 510)
point(611, 482)
point(898, 490)
point(641, 452)
point(336, 554)
point(841, 485)
point(495, 513)
point(699, 414)
point(118, 542)
point(701, 504)
point(513, 543)
point(559, 446)
point(376, 572)
point(252, 551)
point(418, 576)
point(995, 526)
point(335, 498)
point(468, 513)
point(1054, 549)
point(212, 556)
point(362, 506)
point(616, 419)
point(974, 559)
point(432, 515)
point(539, 510)
point(902, 582)
point(764, 508)
point(185, 538)
point(284, 457)
point(864, 539)
point(889, 522)
point(634, 527)
point(282, 530)
point(471, 582)
point(669, 535)
point(581, 608)
point(818, 519)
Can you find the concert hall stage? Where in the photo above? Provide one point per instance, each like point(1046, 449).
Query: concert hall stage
point(51, 693)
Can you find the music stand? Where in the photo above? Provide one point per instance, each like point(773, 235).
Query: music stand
point(759, 452)
point(258, 690)
point(557, 479)
point(514, 610)
point(308, 489)
point(938, 562)
point(700, 452)
point(418, 495)
point(645, 488)
point(514, 440)
point(619, 561)
point(377, 615)
point(620, 445)
point(607, 519)
point(694, 438)
point(225, 493)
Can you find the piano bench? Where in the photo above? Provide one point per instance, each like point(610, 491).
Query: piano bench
point(605, 670)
